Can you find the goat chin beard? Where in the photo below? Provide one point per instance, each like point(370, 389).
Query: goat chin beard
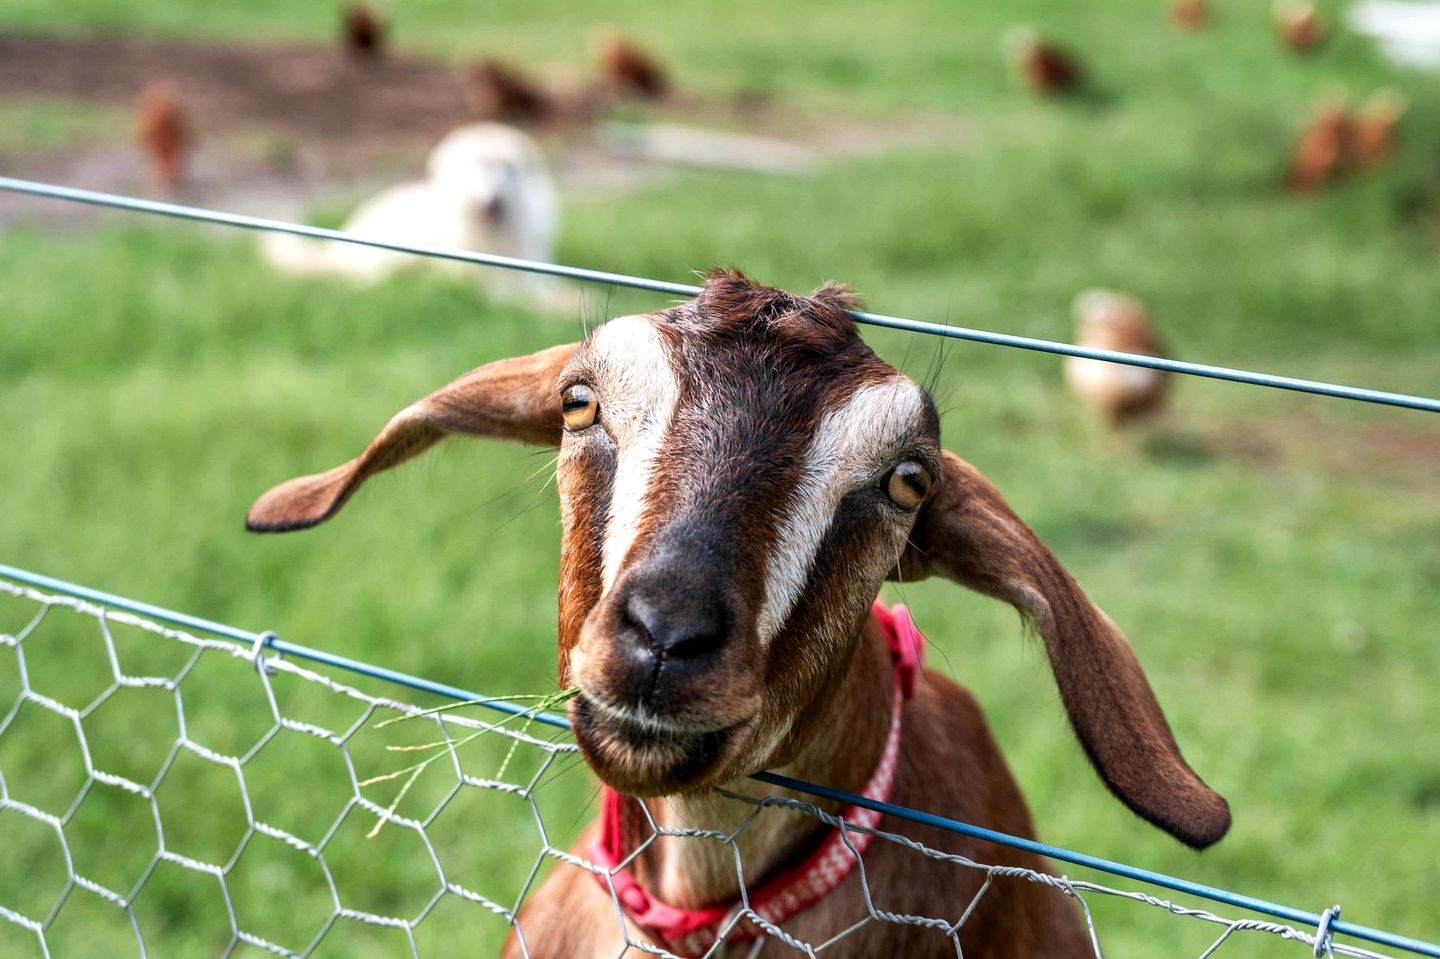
point(646, 759)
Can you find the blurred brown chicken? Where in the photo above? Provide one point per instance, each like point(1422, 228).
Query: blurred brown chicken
point(1299, 25)
point(1189, 14)
point(1108, 320)
point(1373, 128)
point(364, 32)
point(1041, 65)
point(498, 91)
point(1322, 150)
point(629, 69)
point(164, 133)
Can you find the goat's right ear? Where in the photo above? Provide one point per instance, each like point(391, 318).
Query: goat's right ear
point(967, 532)
point(513, 399)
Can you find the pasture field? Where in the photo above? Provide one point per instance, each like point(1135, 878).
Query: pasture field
point(1274, 558)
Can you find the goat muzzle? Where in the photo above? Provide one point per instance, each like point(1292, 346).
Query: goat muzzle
point(669, 671)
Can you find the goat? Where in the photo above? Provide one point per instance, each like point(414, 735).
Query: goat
point(737, 477)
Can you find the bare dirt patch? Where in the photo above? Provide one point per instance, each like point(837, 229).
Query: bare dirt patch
point(315, 93)
point(276, 126)
point(282, 127)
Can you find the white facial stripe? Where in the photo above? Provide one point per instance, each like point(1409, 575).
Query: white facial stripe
point(849, 445)
point(637, 398)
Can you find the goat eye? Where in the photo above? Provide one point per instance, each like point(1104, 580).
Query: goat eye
point(907, 484)
point(579, 407)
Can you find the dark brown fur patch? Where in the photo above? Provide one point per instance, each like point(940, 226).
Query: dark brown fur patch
point(733, 305)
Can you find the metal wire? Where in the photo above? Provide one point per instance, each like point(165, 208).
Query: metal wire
point(183, 212)
point(266, 849)
point(246, 642)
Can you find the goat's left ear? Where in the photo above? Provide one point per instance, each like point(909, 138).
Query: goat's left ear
point(967, 532)
point(513, 399)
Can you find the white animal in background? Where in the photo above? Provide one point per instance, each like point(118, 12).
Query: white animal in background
point(486, 189)
point(1408, 33)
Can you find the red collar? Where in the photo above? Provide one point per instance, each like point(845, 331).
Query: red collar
point(690, 932)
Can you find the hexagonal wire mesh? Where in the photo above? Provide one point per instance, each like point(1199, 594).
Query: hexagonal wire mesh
point(243, 805)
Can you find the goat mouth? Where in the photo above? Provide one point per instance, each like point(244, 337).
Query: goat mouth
point(641, 754)
point(648, 723)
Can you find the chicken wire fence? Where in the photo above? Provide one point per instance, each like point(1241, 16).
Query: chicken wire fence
point(199, 794)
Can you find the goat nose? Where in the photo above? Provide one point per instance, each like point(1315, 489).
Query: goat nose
point(687, 629)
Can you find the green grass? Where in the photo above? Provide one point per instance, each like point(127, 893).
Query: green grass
point(50, 125)
point(1274, 558)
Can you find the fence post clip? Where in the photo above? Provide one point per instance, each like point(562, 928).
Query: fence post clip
point(257, 652)
point(1323, 933)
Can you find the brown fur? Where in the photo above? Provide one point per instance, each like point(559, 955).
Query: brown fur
point(584, 502)
point(968, 533)
point(759, 364)
point(1047, 68)
point(1190, 15)
point(732, 306)
point(629, 69)
point(949, 765)
point(1336, 141)
point(164, 134)
point(363, 32)
point(513, 398)
point(1321, 151)
point(498, 90)
point(814, 701)
point(1300, 26)
point(1106, 320)
point(1374, 129)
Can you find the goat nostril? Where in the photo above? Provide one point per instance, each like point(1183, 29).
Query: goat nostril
point(690, 645)
point(685, 630)
point(633, 616)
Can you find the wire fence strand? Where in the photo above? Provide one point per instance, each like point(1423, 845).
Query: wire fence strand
point(244, 221)
point(248, 650)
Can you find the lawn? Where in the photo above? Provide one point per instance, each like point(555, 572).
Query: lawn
point(1274, 558)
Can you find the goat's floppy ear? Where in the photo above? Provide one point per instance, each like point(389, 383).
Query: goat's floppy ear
point(967, 532)
point(510, 399)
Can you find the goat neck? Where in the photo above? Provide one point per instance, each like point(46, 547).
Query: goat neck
point(850, 736)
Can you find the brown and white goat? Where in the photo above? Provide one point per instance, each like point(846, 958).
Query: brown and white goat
point(738, 475)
